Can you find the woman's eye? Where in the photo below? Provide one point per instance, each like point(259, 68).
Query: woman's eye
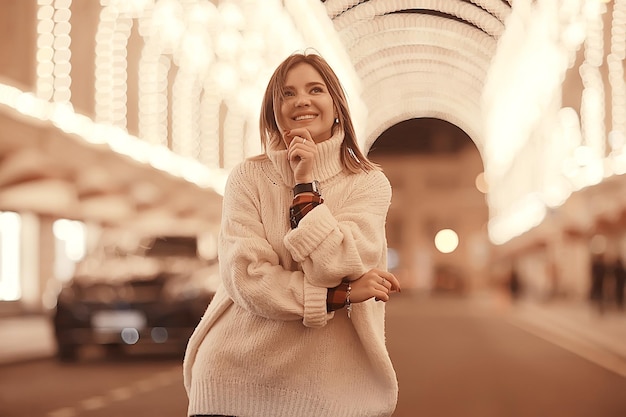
point(288, 93)
point(317, 89)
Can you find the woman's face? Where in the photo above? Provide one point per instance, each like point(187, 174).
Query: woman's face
point(307, 103)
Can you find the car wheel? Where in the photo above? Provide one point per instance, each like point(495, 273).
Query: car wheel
point(113, 350)
point(67, 353)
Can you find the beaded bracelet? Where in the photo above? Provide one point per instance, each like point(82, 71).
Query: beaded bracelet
point(348, 303)
point(339, 297)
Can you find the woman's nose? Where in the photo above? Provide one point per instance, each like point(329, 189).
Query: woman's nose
point(302, 100)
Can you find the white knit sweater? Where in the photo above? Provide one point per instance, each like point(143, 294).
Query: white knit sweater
point(266, 347)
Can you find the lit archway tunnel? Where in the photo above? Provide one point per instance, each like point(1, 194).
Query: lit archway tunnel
point(420, 58)
point(435, 171)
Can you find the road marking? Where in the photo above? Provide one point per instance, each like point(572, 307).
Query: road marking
point(93, 403)
point(145, 385)
point(152, 383)
point(120, 394)
point(64, 412)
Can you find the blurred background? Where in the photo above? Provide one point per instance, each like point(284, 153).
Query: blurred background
point(501, 126)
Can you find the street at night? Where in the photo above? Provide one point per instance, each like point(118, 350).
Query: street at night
point(454, 357)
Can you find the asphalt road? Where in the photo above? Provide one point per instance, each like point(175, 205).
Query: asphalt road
point(452, 360)
point(94, 387)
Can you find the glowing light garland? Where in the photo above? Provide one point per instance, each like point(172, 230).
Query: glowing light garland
point(53, 53)
point(388, 51)
point(240, 46)
point(617, 81)
point(451, 59)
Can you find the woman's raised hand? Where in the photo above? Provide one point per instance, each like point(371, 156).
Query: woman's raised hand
point(301, 152)
point(374, 283)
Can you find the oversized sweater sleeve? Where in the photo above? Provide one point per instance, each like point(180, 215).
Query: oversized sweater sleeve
point(250, 268)
point(347, 241)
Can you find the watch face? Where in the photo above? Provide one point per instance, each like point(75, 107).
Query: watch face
point(316, 186)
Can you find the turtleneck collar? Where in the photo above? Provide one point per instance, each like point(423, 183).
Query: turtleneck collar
point(327, 164)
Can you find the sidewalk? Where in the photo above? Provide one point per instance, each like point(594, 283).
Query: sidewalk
point(573, 325)
point(25, 338)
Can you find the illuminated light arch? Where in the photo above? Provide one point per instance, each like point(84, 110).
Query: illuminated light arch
point(496, 8)
point(153, 100)
point(53, 51)
point(234, 150)
point(429, 46)
point(387, 42)
point(459, 9)
point(210, 124)
point(415, 57)
point(186, 106)
point(419, 29)
point(237, 47)
point(112, 35)
point(418, 107)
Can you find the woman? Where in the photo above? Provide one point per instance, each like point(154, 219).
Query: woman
point(296, 330)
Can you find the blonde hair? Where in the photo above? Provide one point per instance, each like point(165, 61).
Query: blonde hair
point(351, 156)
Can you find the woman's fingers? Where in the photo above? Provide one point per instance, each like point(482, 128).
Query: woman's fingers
point(383, 294)
point(376, 284)
point(385, 278)
point(300, 148)
point(301, 135)
point(390, 281)
point(301, 154)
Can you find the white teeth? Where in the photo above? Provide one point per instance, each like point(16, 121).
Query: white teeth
point(307, 116)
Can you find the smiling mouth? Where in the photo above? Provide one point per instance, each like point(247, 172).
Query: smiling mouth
point(304, 117)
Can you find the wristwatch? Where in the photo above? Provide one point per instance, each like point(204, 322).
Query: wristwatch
point(307, 187)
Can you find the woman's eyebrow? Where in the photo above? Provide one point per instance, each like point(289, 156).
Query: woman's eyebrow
point(311, 84)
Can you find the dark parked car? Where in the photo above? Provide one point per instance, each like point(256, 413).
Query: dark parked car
point(152, 296)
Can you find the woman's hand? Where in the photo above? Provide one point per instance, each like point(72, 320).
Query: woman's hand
point(374, 283)
point(301, 152)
